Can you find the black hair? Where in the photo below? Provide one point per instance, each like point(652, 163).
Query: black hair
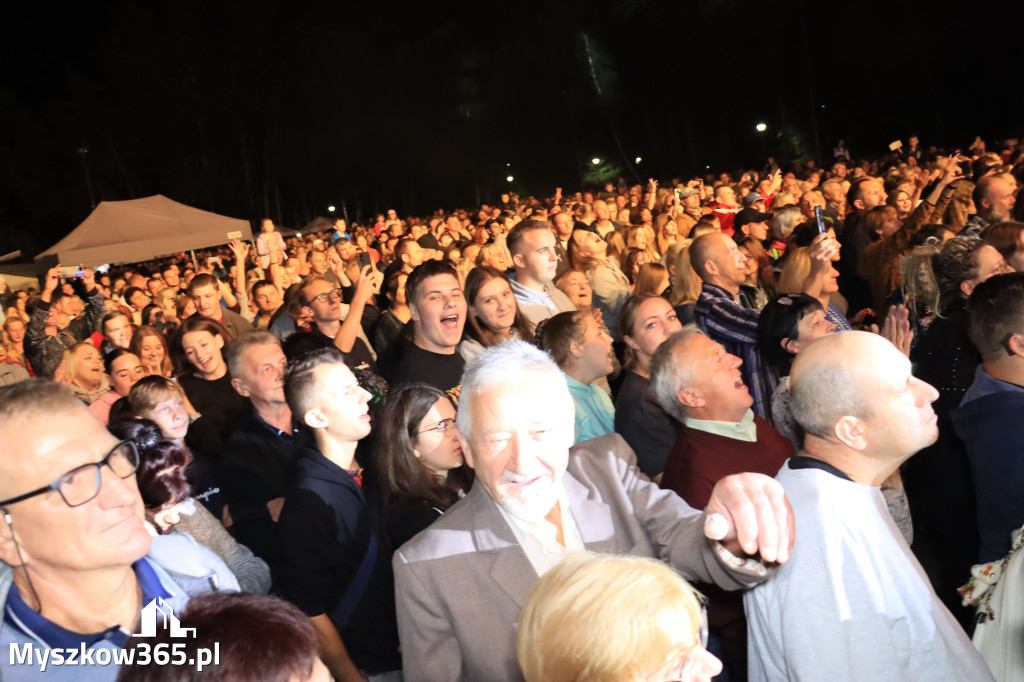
point(780, 320)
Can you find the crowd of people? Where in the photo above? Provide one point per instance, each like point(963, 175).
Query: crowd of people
point(426, 435)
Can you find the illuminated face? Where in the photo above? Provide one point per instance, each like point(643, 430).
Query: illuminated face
point(495, 305)
point(118, 331)
point(268, 299)
point(902, 421)
point(522, 429)
point(594, 350)
point(327, 308)
point(812, 325)
point(538, 255)
point(496, 259)
point(989, 262)
point(267, 226)
point(318, 262)
point(15, 330)
point(1001, 200)
point(207, 301)
point(343, 404)
point(758, 231)
point(171, 416)
point(576, 286)
point(88, 366)
point(903, 203)
point(203, 350)
point(732, 264)
point(726, 195)
point(716, 375)
point(57, 540)
point(262, 378)
point(590, 244)
point(439, 313)
point(125, 372)
point(438, 451)
point(152, 352)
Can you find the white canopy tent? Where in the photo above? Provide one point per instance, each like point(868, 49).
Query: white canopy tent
point(140, 229)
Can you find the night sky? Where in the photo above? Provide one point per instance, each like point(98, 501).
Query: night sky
point(279, 109)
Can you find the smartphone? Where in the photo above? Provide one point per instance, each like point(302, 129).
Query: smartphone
point(363, 259)
point(67, 272)
point(820, 218)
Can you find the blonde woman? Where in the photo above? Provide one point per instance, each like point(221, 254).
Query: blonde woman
point(605, 618)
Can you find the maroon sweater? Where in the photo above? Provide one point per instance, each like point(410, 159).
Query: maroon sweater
point(697, 462)
point(700, 459)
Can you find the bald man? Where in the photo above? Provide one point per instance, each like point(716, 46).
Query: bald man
point(994, 201)
point(853, 603)
point(721, 315)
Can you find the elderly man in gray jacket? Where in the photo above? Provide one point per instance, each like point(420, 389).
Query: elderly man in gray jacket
point(462, 582)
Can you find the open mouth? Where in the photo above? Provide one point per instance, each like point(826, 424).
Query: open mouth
point(450, 322)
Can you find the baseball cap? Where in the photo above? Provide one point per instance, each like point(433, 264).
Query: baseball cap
point(748, 216)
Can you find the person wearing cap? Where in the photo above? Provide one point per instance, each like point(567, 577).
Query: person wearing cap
point(754, 200)
point(751, 223)
point(689, 199)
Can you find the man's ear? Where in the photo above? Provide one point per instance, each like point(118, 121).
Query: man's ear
point(1016, 344)
point(850, 432)
point(8, 545)
point(467, 450)
point(240, 387)
point(519, 260)
point(315, 419)
point(414, 314)
point(967, 287)
point(790, 346)
point(858, 204)
point(218, 340)
point(691, 397)
point(711, 267)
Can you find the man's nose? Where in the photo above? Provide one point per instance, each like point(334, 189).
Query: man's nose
point(116, 491)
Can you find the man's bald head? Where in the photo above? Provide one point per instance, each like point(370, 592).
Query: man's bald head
point(707, 247)
point(829, 380)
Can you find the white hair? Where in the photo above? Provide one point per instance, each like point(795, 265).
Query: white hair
point(497, 364)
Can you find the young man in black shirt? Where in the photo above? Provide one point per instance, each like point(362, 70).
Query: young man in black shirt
point(438, 310)
point(334, 565)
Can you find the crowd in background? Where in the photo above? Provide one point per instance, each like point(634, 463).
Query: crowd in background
point(240, 375)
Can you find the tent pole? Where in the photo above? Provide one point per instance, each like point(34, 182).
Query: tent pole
point(195, 265)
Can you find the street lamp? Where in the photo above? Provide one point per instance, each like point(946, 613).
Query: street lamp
point(638, 159)
point(330, 209)
point(596, 161)
point(761, 127)
point(509, 179)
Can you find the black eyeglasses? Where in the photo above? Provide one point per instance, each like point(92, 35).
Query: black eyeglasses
point(326, 296)
point(441, 426)
point(82, 484)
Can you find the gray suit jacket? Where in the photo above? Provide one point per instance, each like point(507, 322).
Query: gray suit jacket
point(462, 582)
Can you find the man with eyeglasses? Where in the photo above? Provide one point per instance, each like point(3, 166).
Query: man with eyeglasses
point(339, 324)
point(335, 566)
point(72, 538)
